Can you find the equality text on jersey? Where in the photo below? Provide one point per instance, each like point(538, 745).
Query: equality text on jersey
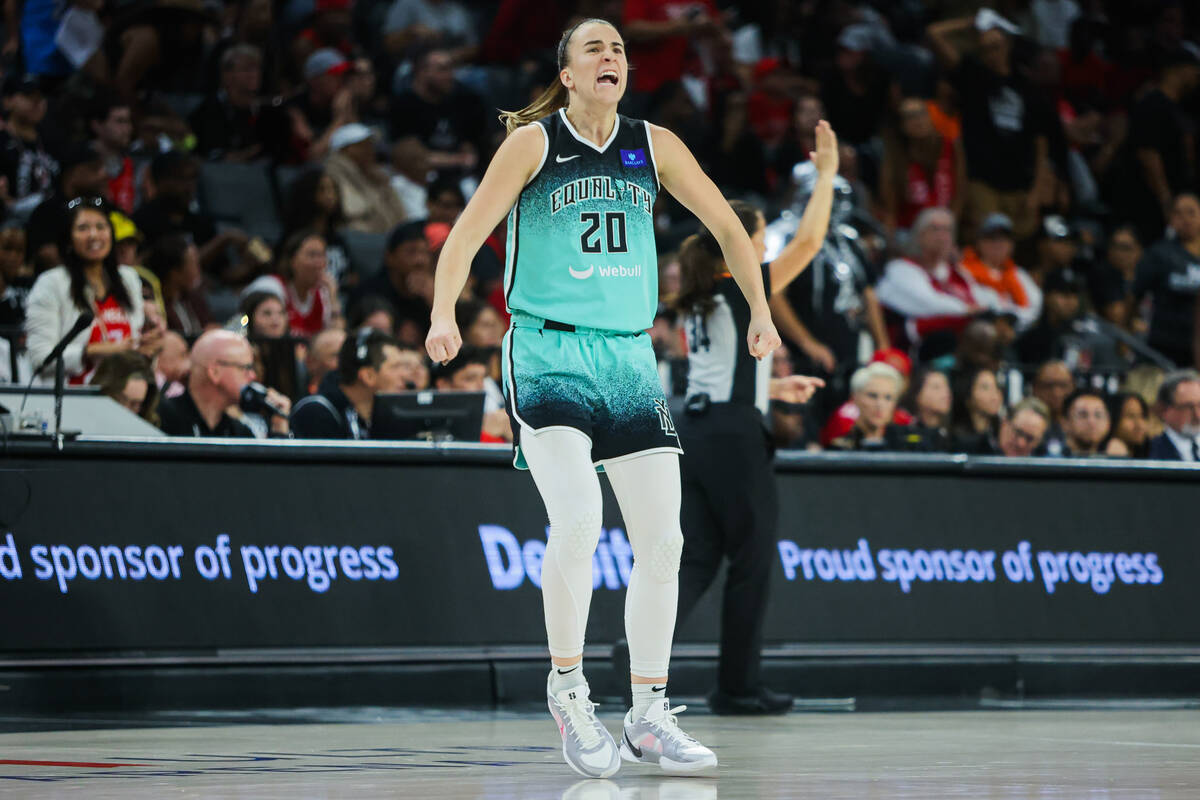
point(600, 187)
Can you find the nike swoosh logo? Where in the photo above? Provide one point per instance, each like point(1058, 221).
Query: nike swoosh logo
point(561, 159)
point(581, 275)
point(658, 688)
point(637, 752)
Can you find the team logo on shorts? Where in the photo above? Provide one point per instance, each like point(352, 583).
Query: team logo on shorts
point(664, 418)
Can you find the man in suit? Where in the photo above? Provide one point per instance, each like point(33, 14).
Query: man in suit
point(1179, 407)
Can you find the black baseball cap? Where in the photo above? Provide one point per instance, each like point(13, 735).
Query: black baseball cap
point(1065, 280)
point(1055, 226)
point(76, 154)
point(22, 83)
point(405, 232)
point(1186, 54)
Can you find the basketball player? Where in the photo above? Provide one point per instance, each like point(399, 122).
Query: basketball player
point(579, 372)
point(730, 501)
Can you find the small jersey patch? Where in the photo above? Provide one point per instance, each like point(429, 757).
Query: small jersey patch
point(634, 158)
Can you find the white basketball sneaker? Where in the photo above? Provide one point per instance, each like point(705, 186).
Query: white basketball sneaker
point(657, 739)
point(588, 747)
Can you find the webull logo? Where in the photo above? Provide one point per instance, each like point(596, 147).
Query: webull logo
point(616, 271)
point(510, 562)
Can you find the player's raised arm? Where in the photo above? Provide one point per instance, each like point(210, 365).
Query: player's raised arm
point(814, 224)
point(683, 178)
point(513, 164)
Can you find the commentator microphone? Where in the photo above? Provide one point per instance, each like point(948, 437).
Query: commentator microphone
point(253, 400)
point(82, 323)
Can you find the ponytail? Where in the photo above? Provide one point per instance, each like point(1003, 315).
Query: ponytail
point(551, 100)
point(556, 95)
point(701, 259)
point(698, 266)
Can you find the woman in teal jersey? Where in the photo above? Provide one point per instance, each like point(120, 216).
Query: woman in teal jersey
point(578, 182)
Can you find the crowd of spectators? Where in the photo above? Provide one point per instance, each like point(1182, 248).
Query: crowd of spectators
point(257, 191)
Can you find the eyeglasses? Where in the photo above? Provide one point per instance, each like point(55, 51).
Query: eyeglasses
point(92, 202)
point(237, 365)
point(1194, 407)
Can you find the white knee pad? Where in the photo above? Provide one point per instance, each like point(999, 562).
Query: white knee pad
point(578, 535)
point(663, 566)
point(648, 491)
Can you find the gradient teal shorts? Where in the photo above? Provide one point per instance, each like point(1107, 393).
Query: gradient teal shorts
point(602, 383)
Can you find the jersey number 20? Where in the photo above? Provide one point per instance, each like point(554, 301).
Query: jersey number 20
point(614, 232)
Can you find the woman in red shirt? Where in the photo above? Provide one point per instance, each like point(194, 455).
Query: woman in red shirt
point(311, 294)
point(921, 168)
point(89, 279)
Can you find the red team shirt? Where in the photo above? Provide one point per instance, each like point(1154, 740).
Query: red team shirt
point(122, 189)
point(310, 316)
point(664, 61)
point(111, 325)
point(922, 190)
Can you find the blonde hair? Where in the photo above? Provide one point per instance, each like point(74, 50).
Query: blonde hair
point(876, 369)
point(1144, 380)
point(556, 94)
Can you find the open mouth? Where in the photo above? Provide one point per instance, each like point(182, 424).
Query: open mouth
point(608, 76)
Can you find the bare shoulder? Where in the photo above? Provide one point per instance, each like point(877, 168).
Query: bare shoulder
point(522, 151)
point(530, 132)
point(662, 138)
point(526, 139)
point(671, 154)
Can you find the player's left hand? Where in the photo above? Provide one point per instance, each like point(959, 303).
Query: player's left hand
point(826, 154)
point(762, 336)
point(795, 388)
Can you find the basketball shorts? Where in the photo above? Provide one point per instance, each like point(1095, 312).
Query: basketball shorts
point(601, 383)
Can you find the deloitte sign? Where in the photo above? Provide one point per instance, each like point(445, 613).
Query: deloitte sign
point(510, 562)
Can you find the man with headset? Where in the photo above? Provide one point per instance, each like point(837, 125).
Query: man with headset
point(369, 363)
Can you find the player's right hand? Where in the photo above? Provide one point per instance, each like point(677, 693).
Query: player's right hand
point(443, 341)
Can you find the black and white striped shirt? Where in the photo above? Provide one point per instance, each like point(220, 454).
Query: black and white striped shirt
point(719, 362)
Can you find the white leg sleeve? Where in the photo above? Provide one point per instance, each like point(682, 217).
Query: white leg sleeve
point(561, 463)
point(647, 489)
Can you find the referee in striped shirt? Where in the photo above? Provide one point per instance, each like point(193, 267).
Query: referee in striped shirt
point(730, 500)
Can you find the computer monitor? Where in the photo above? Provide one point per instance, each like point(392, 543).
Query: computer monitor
point(428, 415)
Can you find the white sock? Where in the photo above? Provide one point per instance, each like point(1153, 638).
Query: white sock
point(566, 677)
point(645, 695)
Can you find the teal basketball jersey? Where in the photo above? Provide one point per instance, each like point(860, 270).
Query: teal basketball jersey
point(581, 235)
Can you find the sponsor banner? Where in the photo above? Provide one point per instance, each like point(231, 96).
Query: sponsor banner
point(148, 553)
